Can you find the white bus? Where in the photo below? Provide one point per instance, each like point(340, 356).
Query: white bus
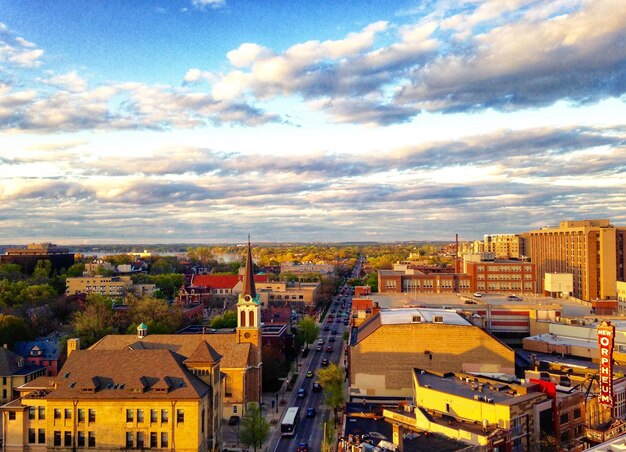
point(290, 421)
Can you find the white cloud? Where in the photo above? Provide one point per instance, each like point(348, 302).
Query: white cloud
point(208, 3)
point(246, 54)
point(70, 81)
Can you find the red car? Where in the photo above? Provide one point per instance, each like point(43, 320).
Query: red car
point(329, 349)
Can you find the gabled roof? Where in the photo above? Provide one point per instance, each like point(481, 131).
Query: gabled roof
point(203, 353)
point(49, 348)
point(9, 364)
point(233, 355)
point(222, 281)
point(102, 374)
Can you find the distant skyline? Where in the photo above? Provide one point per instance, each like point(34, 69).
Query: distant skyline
point(200, 121)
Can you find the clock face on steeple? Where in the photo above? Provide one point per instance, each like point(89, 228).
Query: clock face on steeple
point(247, 298)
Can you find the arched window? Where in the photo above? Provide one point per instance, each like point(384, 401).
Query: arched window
point(242, 321)
point(251, 318)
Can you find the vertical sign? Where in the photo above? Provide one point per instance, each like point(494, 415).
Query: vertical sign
point(606, 332)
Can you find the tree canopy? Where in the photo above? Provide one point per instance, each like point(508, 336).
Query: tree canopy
point(13, 329)
point(308, 329)
point(227, 320)
point(254, 429)
point(96, 321)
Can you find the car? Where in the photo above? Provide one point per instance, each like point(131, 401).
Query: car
point(301, 393)
point(319, 348)
point(346, 322)
point(333, 311)
point(326, 328)
point(324, 362)
point(338, 320)
point(234, 420)
point(320, 341)
point(331, 339)
point(329, 349)
point(513, 298)
point(317, 387)
point(310, 412)
point(478, 294)
point(309, 374)
point(334, 331)
point(378, 436)
point(303, 447)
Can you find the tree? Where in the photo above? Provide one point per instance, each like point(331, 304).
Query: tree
point(331, 378)
point(42, 271)
point(227, 320)
point(254, 428)
point(13, 329)
point(372, 281)
point(329, 435)
point(309, 329)
point(11, 272)
point(200, 254)
point(75, 270)
point(160, 317)
point(96, 321)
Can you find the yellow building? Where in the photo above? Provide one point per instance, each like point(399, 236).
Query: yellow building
point(292, 293)
point(593, 251)
point(503, 246)
point(477, 411)
point(387, 346)
point(240, 351)
point(113, 400)
point(14, 372)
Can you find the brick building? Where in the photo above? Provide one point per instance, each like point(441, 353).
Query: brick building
point(501, 276)
point(593, 251)
point(387, 346)
point(415, 281)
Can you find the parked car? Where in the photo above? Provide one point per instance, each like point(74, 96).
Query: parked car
point(513, 298)
point(478, 294)
point(234, 420)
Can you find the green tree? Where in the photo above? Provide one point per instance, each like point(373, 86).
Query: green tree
point(169, 283)
point(254, 428)
point(200, 254)
point(13, 329)
point(227, 320)
point(160, 317)
point(372, 281)
point(75, 270)
point(42, 271)
point(96, 321)
point(331, 378)
point(308, 329)
point(11, 272)
point(329, 435)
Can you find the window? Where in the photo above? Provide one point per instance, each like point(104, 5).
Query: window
point(139, 415)
point(129, 439)
point(68, 413)
point(81, 439)
point(577, 413)
point(81, 415)
point(563, 418)
point(31, 412)
point(234, 409)
point(42, 436)
point(180, 416)
point(42, 413)
point(438, 319)
point(164, 416)
point(153, 439)
point(228, 386)
point(67, 439)
point(31, 435)
point(129, 415)
point(57, 413)
point(57, 439)
point(140, 439)
point(202, 420)
point(154, 416)
point(92, 439)
point(92, 415)
point(163, 439)
point(11, 415)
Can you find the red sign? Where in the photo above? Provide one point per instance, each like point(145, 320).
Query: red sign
point(606, 333)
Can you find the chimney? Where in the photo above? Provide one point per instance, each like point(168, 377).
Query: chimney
point(72, 345)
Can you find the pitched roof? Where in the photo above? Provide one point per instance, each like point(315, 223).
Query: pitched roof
point(222, 281)
point(101, 374)
point(10, 364)
point(203, 353)
point(233, 355)
point(48, 345)
point(248, 277)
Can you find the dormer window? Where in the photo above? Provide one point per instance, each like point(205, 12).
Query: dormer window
point(416, 319)
point(438, 319)
point(20, 362)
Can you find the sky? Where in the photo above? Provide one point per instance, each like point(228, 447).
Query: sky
point(202, 121)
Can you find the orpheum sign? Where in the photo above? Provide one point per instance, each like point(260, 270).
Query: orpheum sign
point(606, 333)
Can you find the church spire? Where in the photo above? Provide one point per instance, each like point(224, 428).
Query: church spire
point(248, 277)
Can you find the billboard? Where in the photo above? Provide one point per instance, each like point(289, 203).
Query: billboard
point(606, 333)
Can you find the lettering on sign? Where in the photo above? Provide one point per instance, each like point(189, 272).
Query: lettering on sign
point(606, 333)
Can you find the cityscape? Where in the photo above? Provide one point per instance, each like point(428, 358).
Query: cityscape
point(335, 226)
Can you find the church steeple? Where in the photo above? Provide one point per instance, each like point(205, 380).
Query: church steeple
point(248, 277)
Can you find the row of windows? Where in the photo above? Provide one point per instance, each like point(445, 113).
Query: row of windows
point(139, 439)
point(67, 438)
point(154, 415)
point(286, 297)
point(67, 414)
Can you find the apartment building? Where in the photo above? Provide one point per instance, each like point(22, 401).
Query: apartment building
point(593, 251)
point(504, 246)
point(110, 286)
point(501, 276)
point(415, 281)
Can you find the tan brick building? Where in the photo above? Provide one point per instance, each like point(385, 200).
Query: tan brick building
point(386, 347)
point(415, 281)
point(501, 276)
point(592, 250)
point(504, 246)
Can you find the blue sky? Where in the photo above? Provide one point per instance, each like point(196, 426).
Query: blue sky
point(205, 120)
